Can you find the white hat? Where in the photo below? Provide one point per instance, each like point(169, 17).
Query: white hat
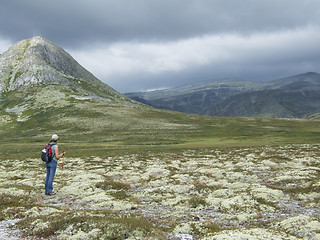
point(54, 137)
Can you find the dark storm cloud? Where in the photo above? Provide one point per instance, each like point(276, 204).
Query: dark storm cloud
point(142, 44)
point(260, 56)
point(77, 21)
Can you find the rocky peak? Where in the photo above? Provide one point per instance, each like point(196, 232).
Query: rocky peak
point(38, 61)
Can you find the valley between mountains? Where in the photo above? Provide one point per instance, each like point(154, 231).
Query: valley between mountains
point(136, 172)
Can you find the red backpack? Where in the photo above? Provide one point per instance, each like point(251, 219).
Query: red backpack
point(46, 153)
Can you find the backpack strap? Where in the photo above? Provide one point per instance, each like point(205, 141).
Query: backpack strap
point(53, 152)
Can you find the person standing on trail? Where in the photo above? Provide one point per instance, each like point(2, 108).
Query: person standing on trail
point(52, 165)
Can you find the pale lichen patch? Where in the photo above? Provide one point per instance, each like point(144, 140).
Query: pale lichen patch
point(254, 193)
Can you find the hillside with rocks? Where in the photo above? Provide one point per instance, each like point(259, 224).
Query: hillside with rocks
point(293, 97)
point(195, 97)
point(43, 89)
point(37, 61)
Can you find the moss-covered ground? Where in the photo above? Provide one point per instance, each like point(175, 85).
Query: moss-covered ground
point(209, 193)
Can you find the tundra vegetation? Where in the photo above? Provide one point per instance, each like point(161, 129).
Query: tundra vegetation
point(170, 176)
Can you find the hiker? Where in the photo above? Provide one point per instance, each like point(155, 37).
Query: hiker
point(52, 165)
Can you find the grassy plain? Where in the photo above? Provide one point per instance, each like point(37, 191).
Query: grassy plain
point(184, 131)
point(141, 173)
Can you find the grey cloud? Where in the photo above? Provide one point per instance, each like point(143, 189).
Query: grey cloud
point(255, 72)
point(256, 57)
point(84, 26)
point(79, 21)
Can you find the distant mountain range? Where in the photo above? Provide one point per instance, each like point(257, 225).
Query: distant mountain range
point(292, 97)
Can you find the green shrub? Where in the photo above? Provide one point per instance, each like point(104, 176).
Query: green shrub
point(120, 195)
point(111, 225)
point(213, 227)
point(109, 184)
point(196, 201)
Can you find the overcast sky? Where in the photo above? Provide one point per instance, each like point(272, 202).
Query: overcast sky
point(137, 45)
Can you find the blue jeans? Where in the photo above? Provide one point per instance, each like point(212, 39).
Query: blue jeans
point(51, 171)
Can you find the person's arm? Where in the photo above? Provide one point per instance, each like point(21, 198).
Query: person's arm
point(57, 153)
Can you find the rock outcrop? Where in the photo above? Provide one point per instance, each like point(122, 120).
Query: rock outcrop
point(38, 61)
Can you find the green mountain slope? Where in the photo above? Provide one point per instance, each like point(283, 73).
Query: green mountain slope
point(309, 77)
point(44, 90)
point(37, 61)
point(295, 97)
point(292, 97)
point(194, 98)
